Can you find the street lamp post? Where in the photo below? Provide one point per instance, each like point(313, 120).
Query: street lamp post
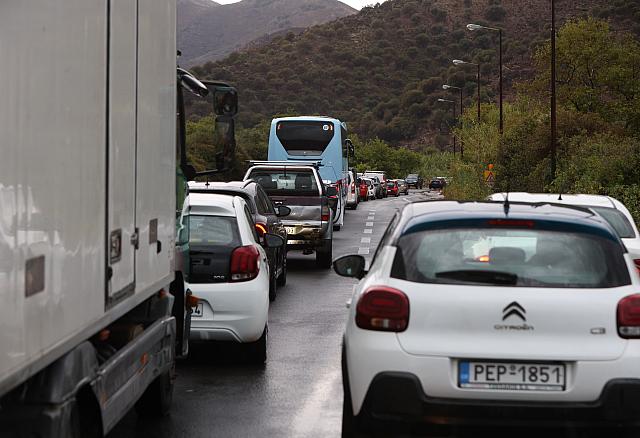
point(474, 27)
point(451, 87)
point(453, 110)
point(461, 62)
point(553, 90)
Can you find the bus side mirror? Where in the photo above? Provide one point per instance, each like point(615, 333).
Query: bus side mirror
point(350, 147)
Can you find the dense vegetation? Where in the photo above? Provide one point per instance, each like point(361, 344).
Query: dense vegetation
point(382, 69)
point(598, 82)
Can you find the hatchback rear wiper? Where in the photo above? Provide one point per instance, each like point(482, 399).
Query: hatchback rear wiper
point(478, 276)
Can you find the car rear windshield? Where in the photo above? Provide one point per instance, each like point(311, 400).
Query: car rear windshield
point(213, 231)
point(617, 220)
point(510, 257)
point(305, 138)
point(286, 182)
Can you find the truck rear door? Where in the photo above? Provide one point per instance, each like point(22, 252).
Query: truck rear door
point(121, 135)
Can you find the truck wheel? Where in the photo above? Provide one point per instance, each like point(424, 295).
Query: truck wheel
point(156, 400)
point(86, 421)
point(273, 288)
point(336, 227)
point(257, 351)
point(282, 279)
point(324, 255)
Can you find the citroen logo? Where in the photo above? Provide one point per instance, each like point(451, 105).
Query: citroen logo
point(514, 309)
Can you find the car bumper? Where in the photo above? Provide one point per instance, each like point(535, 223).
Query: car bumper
point(231, 311)
point(397, 396)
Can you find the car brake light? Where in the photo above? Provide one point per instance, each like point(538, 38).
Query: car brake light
point(383, 309)
point(629, 317)
point(245, 263)
point(261, 229)
point(325, 213)
point(512, 223)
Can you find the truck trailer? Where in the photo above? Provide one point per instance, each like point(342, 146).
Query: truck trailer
point(92, 159)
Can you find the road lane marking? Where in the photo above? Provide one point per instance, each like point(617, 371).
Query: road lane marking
point(368, 231)
point(365, 240)
point(312, 412)
point(370, 218)
point(363, 251)
point(368, 224)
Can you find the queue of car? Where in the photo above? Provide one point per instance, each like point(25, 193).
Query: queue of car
point(522, 310)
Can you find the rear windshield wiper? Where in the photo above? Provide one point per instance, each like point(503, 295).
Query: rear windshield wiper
point(478, 276)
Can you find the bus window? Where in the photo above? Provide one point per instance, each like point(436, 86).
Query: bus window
point(305, 138)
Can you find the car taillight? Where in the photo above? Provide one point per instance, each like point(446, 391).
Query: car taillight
point(383, 309)
point(629, 317)
point(245, 263)
point(325, 213)
point(261, 229)
point(637, 263)
point(353, 188)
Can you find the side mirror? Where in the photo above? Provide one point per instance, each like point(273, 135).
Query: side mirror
point(350, 266)
point(351, 148)
point(282, 211)
point(225, 101)
point(273, 241)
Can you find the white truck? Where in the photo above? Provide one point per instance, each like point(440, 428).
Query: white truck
point(92, 157)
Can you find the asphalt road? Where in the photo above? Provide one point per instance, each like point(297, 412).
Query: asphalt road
point(298, 392)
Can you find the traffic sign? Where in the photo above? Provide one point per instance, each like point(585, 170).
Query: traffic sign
point(489, 178)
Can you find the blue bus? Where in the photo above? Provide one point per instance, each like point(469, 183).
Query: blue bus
point(312, 138)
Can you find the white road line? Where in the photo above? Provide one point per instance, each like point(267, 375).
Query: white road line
point(365, 240)
point(306, 421)
point(370, 218)
point(368, 224)
point(368, 231)
point(363, 251)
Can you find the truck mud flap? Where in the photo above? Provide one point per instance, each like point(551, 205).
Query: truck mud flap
point(124, 377)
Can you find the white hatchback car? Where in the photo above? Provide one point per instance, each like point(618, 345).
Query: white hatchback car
point(612, 210)
point(480, 312)
point(228, 272)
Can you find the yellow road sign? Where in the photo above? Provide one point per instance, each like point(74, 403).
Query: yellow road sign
point(489, 178)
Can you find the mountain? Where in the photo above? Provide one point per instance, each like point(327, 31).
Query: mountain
point(208, 31)
point(382, 70)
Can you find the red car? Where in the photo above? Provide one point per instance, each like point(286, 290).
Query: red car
point(363, 190)
point(392, 188)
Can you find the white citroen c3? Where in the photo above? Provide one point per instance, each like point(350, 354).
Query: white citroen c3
point(488, 312)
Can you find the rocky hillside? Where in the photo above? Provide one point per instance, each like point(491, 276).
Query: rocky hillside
point(382, 69)
point(209, 31)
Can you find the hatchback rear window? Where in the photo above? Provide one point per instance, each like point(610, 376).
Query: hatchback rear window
point(286, 182)
point(213, 230)
point(510, 257)
point(617, 220)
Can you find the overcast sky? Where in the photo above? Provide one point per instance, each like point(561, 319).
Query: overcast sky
point(358, 4)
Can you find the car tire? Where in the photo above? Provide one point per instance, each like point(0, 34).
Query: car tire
point(257, 351)
point(282, 279)
point(156, 400)
point(324, 255)
point(337, 227)
point(273, 287)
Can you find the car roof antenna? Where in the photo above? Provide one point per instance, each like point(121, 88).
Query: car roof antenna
point(506, 204)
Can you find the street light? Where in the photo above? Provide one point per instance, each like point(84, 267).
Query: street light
point(453, 108)
point(451, 87)
point(553, 90)
point(461, 62)
point(474, 27)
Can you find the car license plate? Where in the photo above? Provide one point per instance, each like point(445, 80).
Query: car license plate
point(198, 311)
point(512, 376)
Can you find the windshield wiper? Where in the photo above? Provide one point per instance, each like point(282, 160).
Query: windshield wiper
point(478, 276)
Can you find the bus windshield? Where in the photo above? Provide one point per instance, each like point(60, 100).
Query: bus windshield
point(305, 137)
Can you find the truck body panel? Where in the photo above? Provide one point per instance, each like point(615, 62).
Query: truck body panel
point(87, 164)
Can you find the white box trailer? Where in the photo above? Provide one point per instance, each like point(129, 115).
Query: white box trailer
point(87, 212)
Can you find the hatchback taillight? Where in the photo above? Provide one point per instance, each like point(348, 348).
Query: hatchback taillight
point(629, 317)
point(383, 309)
point(245, 263)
